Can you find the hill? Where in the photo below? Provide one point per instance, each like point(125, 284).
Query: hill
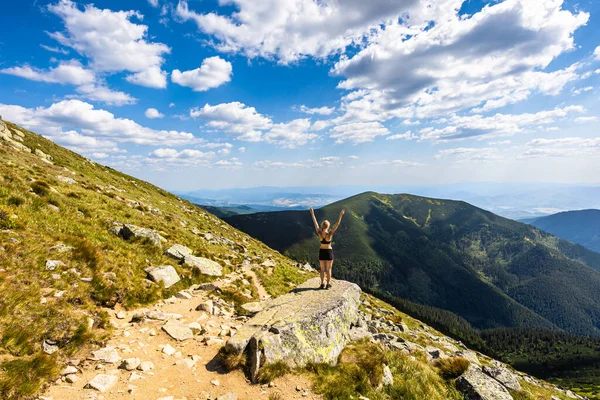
point(492, 271)
point(242, 209)
point(581, 227)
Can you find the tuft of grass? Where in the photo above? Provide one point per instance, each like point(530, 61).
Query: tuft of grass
point(232, 361)
point(276, 396)
point(6, 222)
point(15, 201)
point(23, 378)
point(521, 395)
point(40, 188)
point(452, 368)
point(273, 371)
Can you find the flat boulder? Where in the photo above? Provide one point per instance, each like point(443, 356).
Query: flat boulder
point(128, 231)
point(178, 331)
point(475, 385)
point(206, 266)
point(504, 376)
point(307, 325)
point(102, 382)
point(178, 252)
point(107, 355)
point(165, 274)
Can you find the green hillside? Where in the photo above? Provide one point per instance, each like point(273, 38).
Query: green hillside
point(492, 271)
point(581, 227)
point(58, 206)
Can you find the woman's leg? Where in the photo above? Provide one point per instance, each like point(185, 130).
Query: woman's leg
point(322, 272)
point(328, 266)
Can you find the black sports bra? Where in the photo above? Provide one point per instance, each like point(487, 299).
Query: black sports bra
point(324, 241)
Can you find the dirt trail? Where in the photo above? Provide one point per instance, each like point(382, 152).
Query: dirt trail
point(171, 378)
point(262, 293)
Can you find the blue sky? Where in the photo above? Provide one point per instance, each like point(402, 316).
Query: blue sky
point(238, 93)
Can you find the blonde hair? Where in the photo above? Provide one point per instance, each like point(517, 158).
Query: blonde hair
point(325, 225)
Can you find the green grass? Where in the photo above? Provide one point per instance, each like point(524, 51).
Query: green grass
point(271, 372)
point(452, 368)
point(24, 377)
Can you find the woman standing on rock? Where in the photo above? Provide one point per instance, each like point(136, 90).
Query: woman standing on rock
point(326, 251)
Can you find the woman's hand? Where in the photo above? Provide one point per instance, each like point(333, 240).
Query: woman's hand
point(311, 210)
point(342, 212)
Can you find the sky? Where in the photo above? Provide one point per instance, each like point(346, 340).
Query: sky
point(243, 93)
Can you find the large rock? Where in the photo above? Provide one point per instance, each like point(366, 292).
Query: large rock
point(178, 331)
point(102, 382)
point(504, 376)
point(107, 355)
point(206, 266)
point(128, 231)
point(475, 385)
point(304, 326)
point(165, 274)
point(178, 252)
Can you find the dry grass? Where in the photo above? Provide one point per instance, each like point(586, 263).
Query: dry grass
point(452, 368)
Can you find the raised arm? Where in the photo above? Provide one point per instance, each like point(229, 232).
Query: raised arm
point(337, 224)
point(312, 214)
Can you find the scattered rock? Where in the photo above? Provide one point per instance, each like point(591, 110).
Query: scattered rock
point(475, 385)
point(49, 347)
point(146, 366)
point(130, 364)
point(184, 295)
point(177, 331)
point(53, 207)
point(206, 266)
point(388, 378)
point(107, 355)
point(72, 378)
point(165, 274)
point(253, 307)
point(51, 265)
point(178, 252)
point(128, 231)
point(67, 180)
point(69, 370)
point(61, 248)
point(206, 306)
point(269, 263)
point(102, 382)
point(121, 315)
point(468, 355)
point(228, 396)
point(215, 382)
point(168, 350)
point(504, 376)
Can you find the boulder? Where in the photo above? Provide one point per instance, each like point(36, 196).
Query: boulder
point(128, 231)
point(102, 382)
point(475, 385)
point(51, 265)
point(253, 307)
point(469, 355)
point(307, 325)
point(178, 252)
point(206, 266)
point(130, 364)
point(504, 376)
point(107, 355)
point(165, 274)
point(177, 331)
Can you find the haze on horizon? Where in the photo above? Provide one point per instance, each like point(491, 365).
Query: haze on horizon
point(191, 95)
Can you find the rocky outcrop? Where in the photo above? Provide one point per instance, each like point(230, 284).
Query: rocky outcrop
point(204, 265)
point(475, 385)
point(306, 325)
point(504, 376)
point(128, 231)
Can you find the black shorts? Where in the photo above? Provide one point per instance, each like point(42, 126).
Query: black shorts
point(326, 254)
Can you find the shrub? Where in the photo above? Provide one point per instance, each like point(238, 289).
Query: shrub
point(452, 368)
point(40, 188)
point(232, 361)
point(272, 371)
point(15, 201)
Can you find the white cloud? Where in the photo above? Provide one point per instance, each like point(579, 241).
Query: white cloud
point(471, 154)
point(399, 163)
point(477, 126)
point(111, 41)
point(352, 157)
point(562, 147)
point(358, 132)
point(584, 120)
point(84, 144)
point(100, 92)
point(99, 156)
point(235, 118)
point(183, 154)
point(171, 105)
point(67, 72)
point(406, 136)
point(242, 149)
point(289, 30)
point(290, 134)
point(320, 110)
point(500, 143)
point(153, 3)
point(320, 125)
point(231, 163)
point(213, 72)
point(581, 90)
point(82, 117)
point(153, 113)
point(54, 49)
point(493, 58)
point(597, 53)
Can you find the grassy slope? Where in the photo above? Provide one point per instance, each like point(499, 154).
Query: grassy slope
point(86, 211)
point(582, 227)
point(490, 270)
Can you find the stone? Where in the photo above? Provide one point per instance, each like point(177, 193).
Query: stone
point(253, 307)
point(178, 252)
point(228, 396)
point(206, 266)
point(177, 331)
point(69, 370)
point(206, 306)
point(165, 274)
point(129, 364)
point(108, 355)
point(128, 231)
point(475, 385)
point(145, 366)
point(168, 350)
point(49, 347)
point(121, 315)
point(53, 208)
point(269, 263)
point(304, 326)
point(51, 265)
point(468, 355)
point(215, 382)
point(102, 382)
point(183, 295)
point(388, 378)
point(504, 376)
point(67, 180)
point(72, 378)
point(60, 248)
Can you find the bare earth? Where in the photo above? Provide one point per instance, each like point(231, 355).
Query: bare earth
point(171, 378)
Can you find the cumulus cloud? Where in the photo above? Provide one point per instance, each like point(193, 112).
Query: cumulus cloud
point(111, 41)
point(406, 136)
point(67, 72)
point(472, 154)
point(242, 149)
point(153, 113)
point(584, 120)
point(319, 110)
point(100, 92)
point(290, 134)
point(213, 72)
point(153, 3)
point(597, 53)
point(477, 126)
point(358, 132)
point(54, 49)
point(82, 117)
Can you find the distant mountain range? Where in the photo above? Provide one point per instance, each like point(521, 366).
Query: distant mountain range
point(492, 271)
point(582, 227)
point(510, 200)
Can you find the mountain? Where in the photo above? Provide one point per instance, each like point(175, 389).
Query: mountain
point(582, 227)
point(492, 271)
point(231, 210)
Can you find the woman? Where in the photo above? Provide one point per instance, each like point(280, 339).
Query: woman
point(326, 251)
